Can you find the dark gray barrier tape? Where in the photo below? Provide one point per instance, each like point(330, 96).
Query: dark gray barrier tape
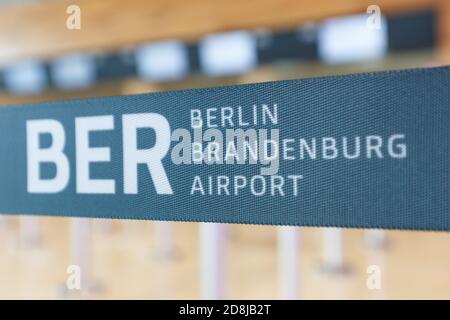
point(364, 150)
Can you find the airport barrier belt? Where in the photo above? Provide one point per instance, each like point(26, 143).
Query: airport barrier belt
point(368, 150)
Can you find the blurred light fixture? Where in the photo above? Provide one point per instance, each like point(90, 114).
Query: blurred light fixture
point(73, 72)
point(351, 39)
point(228, 53)
point(26, 78)
point(162, 61)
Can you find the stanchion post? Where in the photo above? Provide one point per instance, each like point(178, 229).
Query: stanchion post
point(81, 251)
point(212, 260)
point(164, 239)
point(288, 264)
point(30, 235)
point(333, 251)
point(375, 238)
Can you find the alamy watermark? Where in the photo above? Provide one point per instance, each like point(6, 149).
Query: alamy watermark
point(374, 17)
point(373, 281)
point(73, 281)
point(73, 21)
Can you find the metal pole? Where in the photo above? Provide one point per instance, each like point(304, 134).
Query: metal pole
point(81, 251)
point(164, 239)
point(212, 260)
point(375, 238)
point(288, 266)
point(333, 256)
point(30, 235)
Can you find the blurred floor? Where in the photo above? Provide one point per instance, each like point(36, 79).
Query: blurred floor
point(414, 264)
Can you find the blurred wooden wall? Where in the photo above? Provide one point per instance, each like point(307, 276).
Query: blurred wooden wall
point(39, 29)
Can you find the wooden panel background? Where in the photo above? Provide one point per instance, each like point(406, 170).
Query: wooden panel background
point(39, 29)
